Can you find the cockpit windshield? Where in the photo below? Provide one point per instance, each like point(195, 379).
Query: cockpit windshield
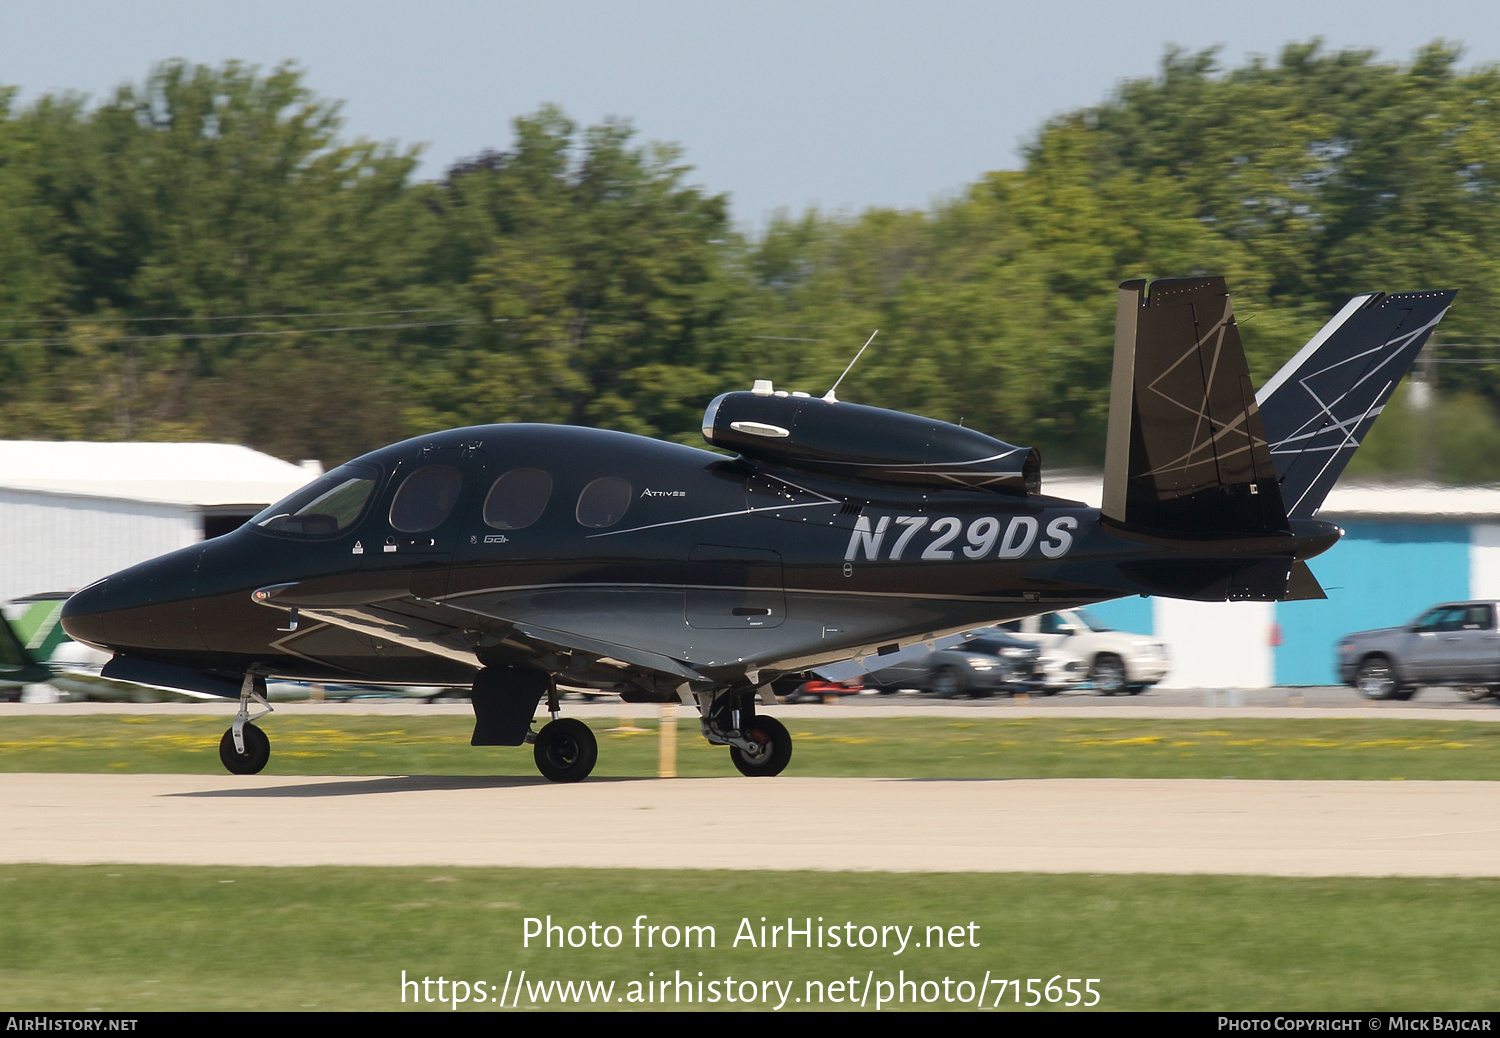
point(325, 507)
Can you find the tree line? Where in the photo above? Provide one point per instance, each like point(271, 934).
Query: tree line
point(203, 257)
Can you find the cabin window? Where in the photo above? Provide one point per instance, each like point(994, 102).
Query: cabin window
point(425, 499)
point(603, 502)
point(327, 506)
point(517, 498)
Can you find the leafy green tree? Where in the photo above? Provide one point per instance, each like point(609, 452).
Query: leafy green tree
point(203, 194)
point(1303, 181)
point(1337, 173)
point(600, 279)
point(996, 309)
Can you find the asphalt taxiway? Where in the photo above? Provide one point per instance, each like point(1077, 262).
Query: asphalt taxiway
point(1291, 828)
point(1288, 828)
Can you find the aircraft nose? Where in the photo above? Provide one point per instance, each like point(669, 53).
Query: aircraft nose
point(85, 616)
point(145, 606)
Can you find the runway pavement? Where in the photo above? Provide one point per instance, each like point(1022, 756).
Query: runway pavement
point(1054, 825)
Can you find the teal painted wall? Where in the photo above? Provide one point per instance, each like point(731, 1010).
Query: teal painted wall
point(1379, 575)
point(1126, 614)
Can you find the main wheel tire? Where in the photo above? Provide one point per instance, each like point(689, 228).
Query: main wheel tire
point(566, 750)
point(1108, 674)
point(253, 760)
point(948, 683)
point(775, 752)
point(1376, 679)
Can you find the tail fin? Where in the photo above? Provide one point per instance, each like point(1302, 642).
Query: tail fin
point(1185, 451)
point(1319, 406)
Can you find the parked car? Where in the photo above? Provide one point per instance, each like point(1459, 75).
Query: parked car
point(1115, 661)
point(1454, 644)
point(988, 663)
point(816, 690)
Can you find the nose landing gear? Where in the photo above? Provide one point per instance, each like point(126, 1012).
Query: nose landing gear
point(253, 758)
point(245, 749)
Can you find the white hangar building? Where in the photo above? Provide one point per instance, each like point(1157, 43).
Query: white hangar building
point(1406, 547)
point(71, 513)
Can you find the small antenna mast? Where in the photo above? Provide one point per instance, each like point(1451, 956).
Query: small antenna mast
point(828, 396)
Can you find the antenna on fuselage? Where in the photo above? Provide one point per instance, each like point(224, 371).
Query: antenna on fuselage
point(828, 396)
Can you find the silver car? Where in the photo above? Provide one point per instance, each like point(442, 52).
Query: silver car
point(1454, 644)
point(984, 663)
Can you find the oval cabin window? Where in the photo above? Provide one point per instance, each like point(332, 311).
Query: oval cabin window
point(426, 498)
point(603, 502)
point(517, 498)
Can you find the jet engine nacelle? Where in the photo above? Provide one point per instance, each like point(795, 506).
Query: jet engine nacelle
point(869, 444)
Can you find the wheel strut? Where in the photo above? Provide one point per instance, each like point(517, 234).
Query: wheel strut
point(244, 749)
point(565, 749)
point(758, 745)
point(253, 687)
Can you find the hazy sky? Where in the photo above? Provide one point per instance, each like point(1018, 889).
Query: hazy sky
point(780, 103)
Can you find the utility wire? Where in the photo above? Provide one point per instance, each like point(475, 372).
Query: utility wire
point(239, 335)
point(225, 317)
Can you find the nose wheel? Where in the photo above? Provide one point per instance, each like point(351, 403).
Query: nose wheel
point(257, 751)
point(245, 749)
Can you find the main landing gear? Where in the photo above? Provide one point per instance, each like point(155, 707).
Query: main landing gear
point(505, 699)
point(770, 751)
point(758, 745)
point(245, 749)
point(565, 749)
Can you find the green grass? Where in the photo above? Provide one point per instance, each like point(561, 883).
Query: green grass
point(916, 747)
point(152, 938)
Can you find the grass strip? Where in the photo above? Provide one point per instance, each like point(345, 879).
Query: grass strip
point(915, 747)
point(130, 938)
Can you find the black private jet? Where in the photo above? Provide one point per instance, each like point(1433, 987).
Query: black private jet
point(509, 559)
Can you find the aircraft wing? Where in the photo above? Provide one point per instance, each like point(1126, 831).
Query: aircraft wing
point(463, 634)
